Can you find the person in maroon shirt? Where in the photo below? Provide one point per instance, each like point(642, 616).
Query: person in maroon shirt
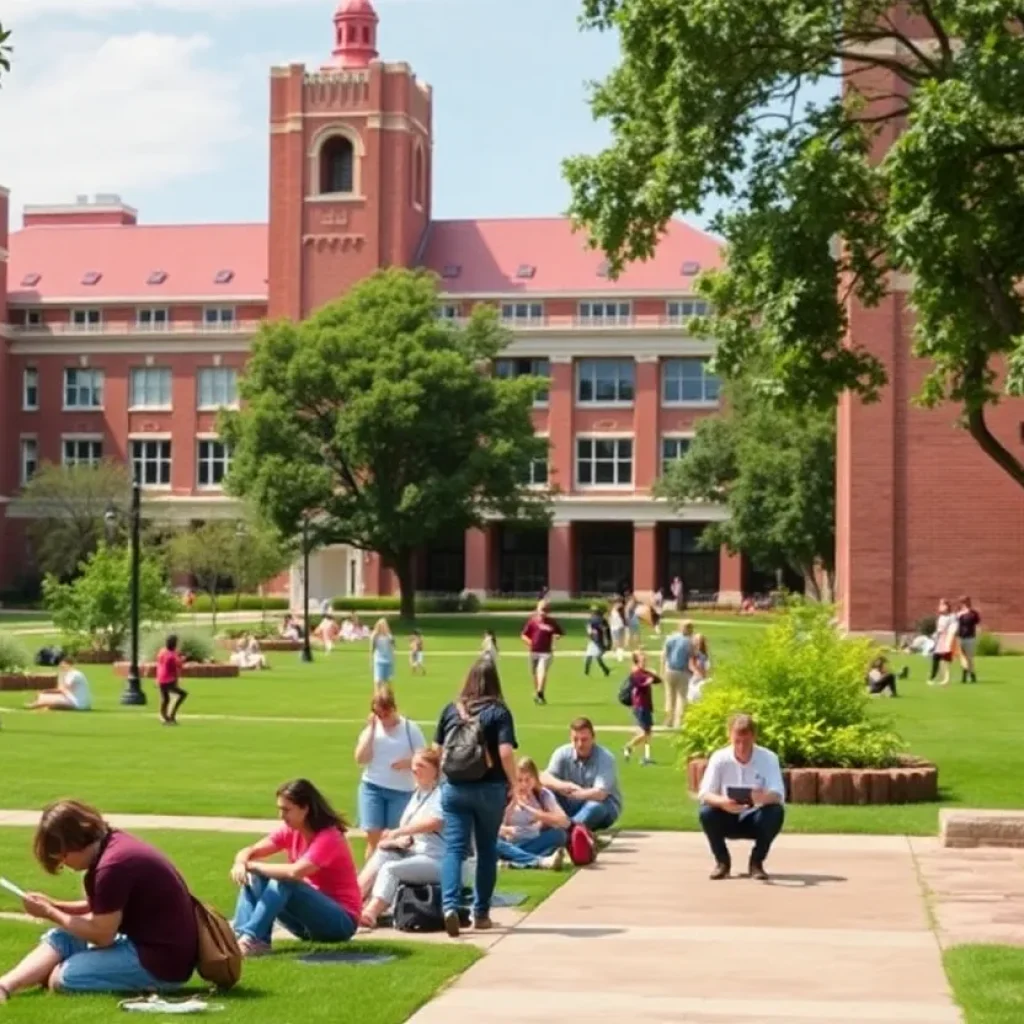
point(641, 682)
point(539, 635)
point(169, 666)
point(135, 931)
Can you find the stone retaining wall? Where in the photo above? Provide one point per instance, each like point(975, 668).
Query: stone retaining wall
point(966, 829)
point(912, 783)
point(190, 671)
point(35, 682)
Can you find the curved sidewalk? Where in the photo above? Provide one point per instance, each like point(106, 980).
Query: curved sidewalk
point(840, 936)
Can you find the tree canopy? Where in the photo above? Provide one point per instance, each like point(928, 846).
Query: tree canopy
point(775, 472)
point(752, 100)
point(377, 423)
point(5, 49)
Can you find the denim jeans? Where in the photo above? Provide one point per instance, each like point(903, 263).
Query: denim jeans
point(595, 814)
point(306, 912)
point(114, 968)
point(528, 853)
point(761, 825)
point(473, 812)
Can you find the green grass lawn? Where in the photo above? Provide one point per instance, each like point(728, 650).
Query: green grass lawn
point(988, 982)
point(277, 990)
point(240, 738)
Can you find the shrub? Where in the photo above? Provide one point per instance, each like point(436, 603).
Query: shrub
point(13, 657)
point(243, 603)
point(925, 626)
point(989, 646)
point(192, 645)
point(260, 630)
point(804, 685)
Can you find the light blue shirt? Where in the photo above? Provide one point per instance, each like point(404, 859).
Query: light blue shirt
point(596, 772)
point(383, 650)
point(678, 648)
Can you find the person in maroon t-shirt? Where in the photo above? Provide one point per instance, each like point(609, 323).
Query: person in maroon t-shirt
point(134, 932)
point(539, 635)
point(641, 682)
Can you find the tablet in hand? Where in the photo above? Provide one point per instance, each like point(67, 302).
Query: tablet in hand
point(741, 795)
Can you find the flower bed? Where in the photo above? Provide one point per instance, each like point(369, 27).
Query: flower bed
point(913, 782)
point(272, 644)
point(147, 670)
point(13, 681)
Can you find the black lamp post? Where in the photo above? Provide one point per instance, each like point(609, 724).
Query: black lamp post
point(307, 650)
point(133, 694)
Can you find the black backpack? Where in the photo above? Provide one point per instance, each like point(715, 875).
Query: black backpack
point(465, 757)
point(418, 909)
point(626, 692)
point(49, 656)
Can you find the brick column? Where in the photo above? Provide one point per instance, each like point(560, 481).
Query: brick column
point(560, 425)
point(645, 423)
point(480, 561)
point(730, 578)
point(645, 559)
point(561, 561)
point(373, 572)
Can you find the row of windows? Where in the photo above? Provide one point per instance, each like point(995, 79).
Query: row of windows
point(684, 381)
point(608, 462)
point(151, 459)
point(598, 314)
point(149, 388)
point(147, 318)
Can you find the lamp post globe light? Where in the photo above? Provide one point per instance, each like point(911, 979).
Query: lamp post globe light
point(133, 694)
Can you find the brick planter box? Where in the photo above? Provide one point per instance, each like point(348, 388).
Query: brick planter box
point(272, 644)
point(914, 782)
point(190, 671)
point(35, 682)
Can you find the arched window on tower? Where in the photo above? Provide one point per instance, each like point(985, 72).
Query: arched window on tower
point(418, 188)
point(337, 166)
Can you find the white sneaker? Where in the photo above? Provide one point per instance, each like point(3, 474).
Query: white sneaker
point(626, 753)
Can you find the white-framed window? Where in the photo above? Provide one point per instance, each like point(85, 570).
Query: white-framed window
point(604, 461)
point(150, 388)
point(30, 389)
point(605, 381)
point(86, 320)
point(213, 462)
point(83, 389)
point(29, 459)
point(537, 474)
point(219, 318)
point(81, 451)
point(522, 312)
point(152, 318)
point(448, 311)
point(34, 319)
point(688, 382)
point(151, 461)
point(678, 311)
point(512, 368)
point(673, 448)
point(218, 387)
point(605, 313)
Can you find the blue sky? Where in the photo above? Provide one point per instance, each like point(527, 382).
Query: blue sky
point(165, 101)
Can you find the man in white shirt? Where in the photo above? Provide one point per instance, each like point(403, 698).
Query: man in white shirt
point(742, 796)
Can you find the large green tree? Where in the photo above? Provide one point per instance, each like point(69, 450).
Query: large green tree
point(711, 98)
point(775, 472)
point(378, 424)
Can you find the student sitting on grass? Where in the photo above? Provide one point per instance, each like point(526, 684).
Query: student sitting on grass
point(315, 895)
point(533, 834)
point(72, 692)
point(135, 931)
point(881, 680)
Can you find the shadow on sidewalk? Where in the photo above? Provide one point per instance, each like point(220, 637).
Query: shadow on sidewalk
point(803, 881)
point(583, 932)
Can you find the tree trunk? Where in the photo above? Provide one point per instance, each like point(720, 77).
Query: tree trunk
point(213, 609)
point(403, 565)
point(812, 586)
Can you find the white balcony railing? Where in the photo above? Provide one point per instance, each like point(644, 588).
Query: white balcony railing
point(640, 322)
point(122, 329)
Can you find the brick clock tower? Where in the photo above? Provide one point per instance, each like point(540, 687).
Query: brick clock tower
point(350, 168)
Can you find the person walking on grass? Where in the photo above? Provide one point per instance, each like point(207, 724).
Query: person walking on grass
point(597, 641)
point(641, 682)
point(416, 665)
point(382, 653)
point(676, 656)
point(539, 636)
point(617, 627)
point(169, 666)
point(946, 629)
point(968, 621)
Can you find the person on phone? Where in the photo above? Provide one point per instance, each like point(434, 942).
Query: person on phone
point(135, 931)
point(385, 749)
point(742, 796)
point(72, 692)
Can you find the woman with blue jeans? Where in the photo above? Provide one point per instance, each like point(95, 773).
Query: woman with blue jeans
point(473, 807)
point(316, 894)
point(385, 748)
point(534, 832)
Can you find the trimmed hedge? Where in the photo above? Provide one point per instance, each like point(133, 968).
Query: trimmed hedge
point(247, 603)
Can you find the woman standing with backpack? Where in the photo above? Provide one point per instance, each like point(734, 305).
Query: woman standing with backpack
point(477, 739)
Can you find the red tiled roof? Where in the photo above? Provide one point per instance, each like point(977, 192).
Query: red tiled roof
point(191, 255)
point(490, 252)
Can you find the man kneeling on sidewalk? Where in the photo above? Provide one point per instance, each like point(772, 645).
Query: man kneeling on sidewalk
point(742, 796)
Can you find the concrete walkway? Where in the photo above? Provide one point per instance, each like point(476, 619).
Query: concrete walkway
point(840, 936)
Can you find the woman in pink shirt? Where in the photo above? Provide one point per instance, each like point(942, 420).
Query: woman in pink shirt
point(316, 894)
point(169, 665)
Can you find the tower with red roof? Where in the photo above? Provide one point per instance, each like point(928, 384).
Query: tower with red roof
point(350, 166)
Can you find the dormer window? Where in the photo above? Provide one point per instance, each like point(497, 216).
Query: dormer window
point(451, 271)
point(31, 280)
point(224, 277)
point(157, 277)
point(337, 166)
point(91, 278)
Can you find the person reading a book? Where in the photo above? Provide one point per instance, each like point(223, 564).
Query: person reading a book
point(742, 796)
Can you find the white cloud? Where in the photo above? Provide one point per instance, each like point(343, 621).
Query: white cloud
point(106, 114)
